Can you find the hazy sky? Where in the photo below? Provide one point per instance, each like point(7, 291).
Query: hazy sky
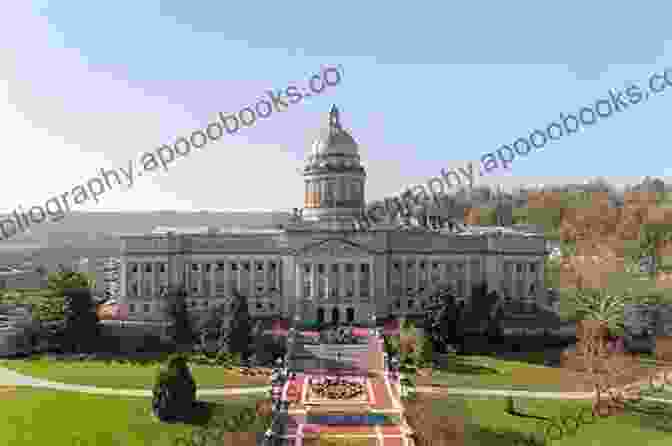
point(89, 85)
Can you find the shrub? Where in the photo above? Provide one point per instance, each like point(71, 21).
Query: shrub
point(174, 392)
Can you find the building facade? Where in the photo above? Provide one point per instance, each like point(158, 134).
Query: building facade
point(15, 278)
point(106, 271)
point(321, 265)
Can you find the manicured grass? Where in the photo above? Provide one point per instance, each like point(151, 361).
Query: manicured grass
point(36, 417)
point(123, 376)
point(493, 373)
point(487, 372)
point(488, 424)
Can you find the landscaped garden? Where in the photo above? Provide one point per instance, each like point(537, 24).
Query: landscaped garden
point(484, 421)
point(125, 375)
point(37, 417)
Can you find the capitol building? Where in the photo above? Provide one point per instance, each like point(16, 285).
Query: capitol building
point(322, 265)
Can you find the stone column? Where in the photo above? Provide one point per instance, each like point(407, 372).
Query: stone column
point(141, 279)
point(371, 281)
point(342, 287)
point(213, 284)
point(403, 272)
point(253, 276)
point(156, 276)
point(239, 280)
point(298, 274)
point(467, 277)
point(357, 284)
point(315, 282)
point(327, 280)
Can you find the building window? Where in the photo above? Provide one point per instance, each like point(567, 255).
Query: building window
point(207, 267)
point(145, 308)
point(246, 266)
point(349, 267)
point(395, 266)
point(260, 289)
point(272, 265)
point(422, 265)
point(533, 268)
point(220, 266)
point(194, 267)
point(519, 267)
point(162, 267)
point(320, 268)
point(411, 303)
point(306, 269)
point(234, 267)
point(364, 267)
point(334, 268)
point(193, 303)
point(260, 266)
point(131, 308)
point(205, 304)
point(259, 306)
point(134, 267)
point(397, 303)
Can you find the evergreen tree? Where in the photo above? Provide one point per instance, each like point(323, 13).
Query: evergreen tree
point(81, 322)
point(182, 329)
point(240, 330)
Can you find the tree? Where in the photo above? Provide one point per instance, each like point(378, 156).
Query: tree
point(174, 392)
point(442, 318)
point(480, 310)
point(66, 278)
point(651, 238)
point(240, 330)
point(81, 321)
point(212, 336)
point(430, 427)
point(183, 332)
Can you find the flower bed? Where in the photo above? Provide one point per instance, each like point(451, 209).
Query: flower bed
point(337, 389)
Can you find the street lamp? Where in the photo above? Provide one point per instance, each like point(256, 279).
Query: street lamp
point(394, 368)
point(374, 328)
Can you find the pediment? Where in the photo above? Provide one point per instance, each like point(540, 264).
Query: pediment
point(334, 248)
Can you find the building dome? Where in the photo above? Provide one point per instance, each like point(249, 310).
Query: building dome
point(333, 139)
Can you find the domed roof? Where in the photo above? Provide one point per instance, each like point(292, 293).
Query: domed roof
point(333, 139)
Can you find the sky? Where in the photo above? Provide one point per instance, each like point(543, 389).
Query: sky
point(91, 85)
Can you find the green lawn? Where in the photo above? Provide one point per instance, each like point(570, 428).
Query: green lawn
point(492, 373)
point(488, 424)
point(36, 417)
point(122, 376)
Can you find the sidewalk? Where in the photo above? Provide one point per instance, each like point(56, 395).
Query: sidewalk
point(11, 378)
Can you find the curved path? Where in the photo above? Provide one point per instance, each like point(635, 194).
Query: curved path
point(11, 378)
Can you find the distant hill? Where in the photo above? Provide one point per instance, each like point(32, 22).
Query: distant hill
point(93, 234)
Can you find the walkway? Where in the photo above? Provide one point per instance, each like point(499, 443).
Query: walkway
point(11, 378)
